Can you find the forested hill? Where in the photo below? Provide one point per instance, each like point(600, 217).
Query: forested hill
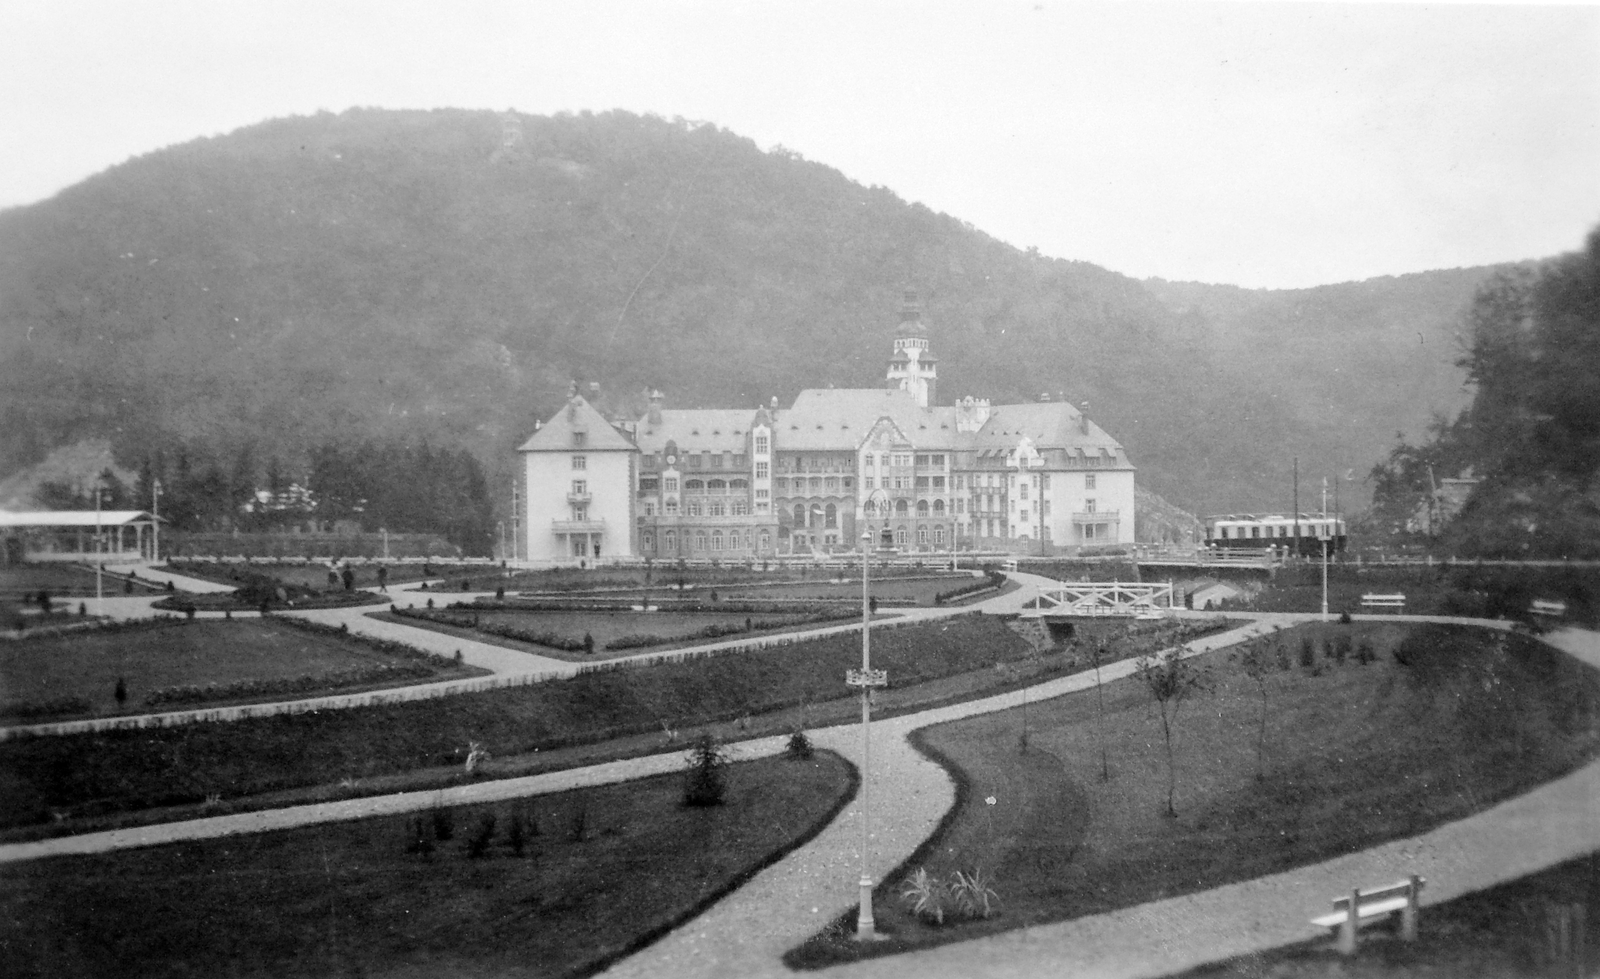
point(385, 274)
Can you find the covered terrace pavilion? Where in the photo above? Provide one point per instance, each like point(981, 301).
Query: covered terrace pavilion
point(72, 535)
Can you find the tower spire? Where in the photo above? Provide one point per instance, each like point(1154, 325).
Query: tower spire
point(913, 367)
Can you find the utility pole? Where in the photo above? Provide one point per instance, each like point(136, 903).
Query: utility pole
point(1297, 506)
point(155, 522)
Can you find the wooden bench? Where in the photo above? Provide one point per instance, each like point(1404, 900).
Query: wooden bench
point(1396, 601)
point(1363, 907)
point(1548, 609)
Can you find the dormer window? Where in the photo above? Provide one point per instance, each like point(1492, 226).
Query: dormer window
point(579, 438)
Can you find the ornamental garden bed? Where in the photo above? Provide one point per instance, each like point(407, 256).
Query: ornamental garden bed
point(174, 663)
point(1381, 732)
point(21, 583)
point(596, 873)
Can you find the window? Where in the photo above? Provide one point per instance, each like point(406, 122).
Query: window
point(670, 508)
point(716, 540)
point(899, 482)
point(580, 513)
point(739, 460)
point(649, 485)
point(922, 535)
point(649, 509)
point(922, 460)
point(938, 460)
point(922, 508)
point(799, 515)
point(717, 486)
point(1023, 492)
point(1088, 506)
point(761, 470)
point(672, 484)
point(814, 484)
point(900, 535)
point(830, 516)
point(1044, 508)
point(922, 483)
point(741, 507)
point(1088, 480)
point(1255, 532)
point(866, 482)
point(693, 507)
point(700, 540)
point(761, 445)
point(649, 542)
point(1022, 515)
point(848, 482)
point(579, 438)
point(901, 508)
point(961, 505)
point(580, 462)
point(694, 461)
point(869, 458)
point(831, 485)
point(579, 487)
point(761, 494)
point(1044, 481)
point(716, 508)
point(694, 486)
point(938, 537)
point(766, 540)
point(938, 483)
point(669, 540)
point(938, 508)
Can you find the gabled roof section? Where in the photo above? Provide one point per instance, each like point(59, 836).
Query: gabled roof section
point(1050, 425)
point(578, 427)
point(74, 518)
point(837, 419)
point(698, 429)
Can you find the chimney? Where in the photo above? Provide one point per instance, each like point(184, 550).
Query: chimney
point(1083, 419)
point(1044, 397)
point(656, 397)
point(594, 390)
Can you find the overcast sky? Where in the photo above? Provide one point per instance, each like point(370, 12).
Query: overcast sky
point(1279, 144)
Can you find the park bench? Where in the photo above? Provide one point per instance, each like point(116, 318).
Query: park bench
point(1396, 601)
point(1548, 609)
point(1363, 907)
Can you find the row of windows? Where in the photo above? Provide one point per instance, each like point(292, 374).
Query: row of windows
point(832, 483)
point(1307, 529)
point(716, 540)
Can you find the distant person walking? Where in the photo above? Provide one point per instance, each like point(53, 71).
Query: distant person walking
point(383, 578)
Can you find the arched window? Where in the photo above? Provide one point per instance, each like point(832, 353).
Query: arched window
point(670, 541)
point(700, 540)
point(716, 540)
point(799, 515)
point(922, 508)
point(938, 537)
point(831, 516)
point(922, 535)
point(900, 535)
point(649, 542)
point(901, 509)
point(694, 486)
point(738, 485)
point(716, 508)
point(717, 486)
point(766, 540)
point(938, 508)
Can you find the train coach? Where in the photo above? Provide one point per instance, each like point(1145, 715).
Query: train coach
point(1305, 535)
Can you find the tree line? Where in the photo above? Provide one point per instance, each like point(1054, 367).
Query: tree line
point(1532, 431)
point(378, 485)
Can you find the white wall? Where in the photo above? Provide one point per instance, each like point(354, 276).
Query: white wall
point(549, 476)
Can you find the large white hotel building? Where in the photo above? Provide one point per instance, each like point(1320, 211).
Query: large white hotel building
point(741, 483)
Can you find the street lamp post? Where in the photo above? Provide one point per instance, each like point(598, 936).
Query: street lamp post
point(155, 522)
point(99, 558)
point(866, 678)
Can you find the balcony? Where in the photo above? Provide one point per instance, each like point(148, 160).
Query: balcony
point(578, 526)
point(1098, 516)
point(582, 499)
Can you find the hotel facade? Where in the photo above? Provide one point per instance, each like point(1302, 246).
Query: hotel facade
point(813, 478)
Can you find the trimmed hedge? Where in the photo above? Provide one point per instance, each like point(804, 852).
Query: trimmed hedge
point(241, 689)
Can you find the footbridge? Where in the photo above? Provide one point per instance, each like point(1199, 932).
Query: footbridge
point(1115, 598)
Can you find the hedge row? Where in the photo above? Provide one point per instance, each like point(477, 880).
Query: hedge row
point(991, 579)
point(718, 631)
point(242, 689)
point(35, 709)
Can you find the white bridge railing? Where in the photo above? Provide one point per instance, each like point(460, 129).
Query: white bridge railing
point(1126, 598)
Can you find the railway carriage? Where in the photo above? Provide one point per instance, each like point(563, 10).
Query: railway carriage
point(1243, 531)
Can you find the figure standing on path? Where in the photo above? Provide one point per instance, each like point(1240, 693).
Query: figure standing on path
point(383, 578)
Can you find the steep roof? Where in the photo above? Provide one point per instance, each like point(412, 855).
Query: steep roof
point(1050, 425)
point(697, 429)
point(558, 434)
point(824, 419)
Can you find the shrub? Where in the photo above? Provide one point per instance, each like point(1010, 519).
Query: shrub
point(1364, 652)
point(417, 840)
point(799, 747)
point(516, 834)
point(444, 824)
point(974, 897)
point(1308, 652)
point(588, 644)
point(705, 782)
point(482, 835)
point(121, 693)
point(927, 896)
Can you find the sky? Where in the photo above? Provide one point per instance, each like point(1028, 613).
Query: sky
point(1261, 144)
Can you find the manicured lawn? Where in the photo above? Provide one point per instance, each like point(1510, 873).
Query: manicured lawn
point(1355, 755)
point(127, 770)
point(347, 898)
point(1486, 592)
point(21, 582)
point(673, 629)
point(316, 575)
point(87, 665)
point(1501, 933)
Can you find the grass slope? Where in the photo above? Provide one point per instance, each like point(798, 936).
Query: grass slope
point(1356, 755)
point(609, 869)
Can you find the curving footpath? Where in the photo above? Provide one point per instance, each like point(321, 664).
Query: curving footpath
point(746, 933)
point(507, 667)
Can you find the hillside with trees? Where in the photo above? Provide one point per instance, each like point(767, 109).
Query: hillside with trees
point(389, 278)
point(1532, 431)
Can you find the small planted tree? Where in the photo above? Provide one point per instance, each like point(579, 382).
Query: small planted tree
point(121, 693)
point(705, 781)
point(799, 747)
point(1170, 679)
point(588, 644)
point(1098, 654)
point(481, 836)
point(1257, 662)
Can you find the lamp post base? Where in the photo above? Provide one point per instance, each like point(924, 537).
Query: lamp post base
point(866, 928)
